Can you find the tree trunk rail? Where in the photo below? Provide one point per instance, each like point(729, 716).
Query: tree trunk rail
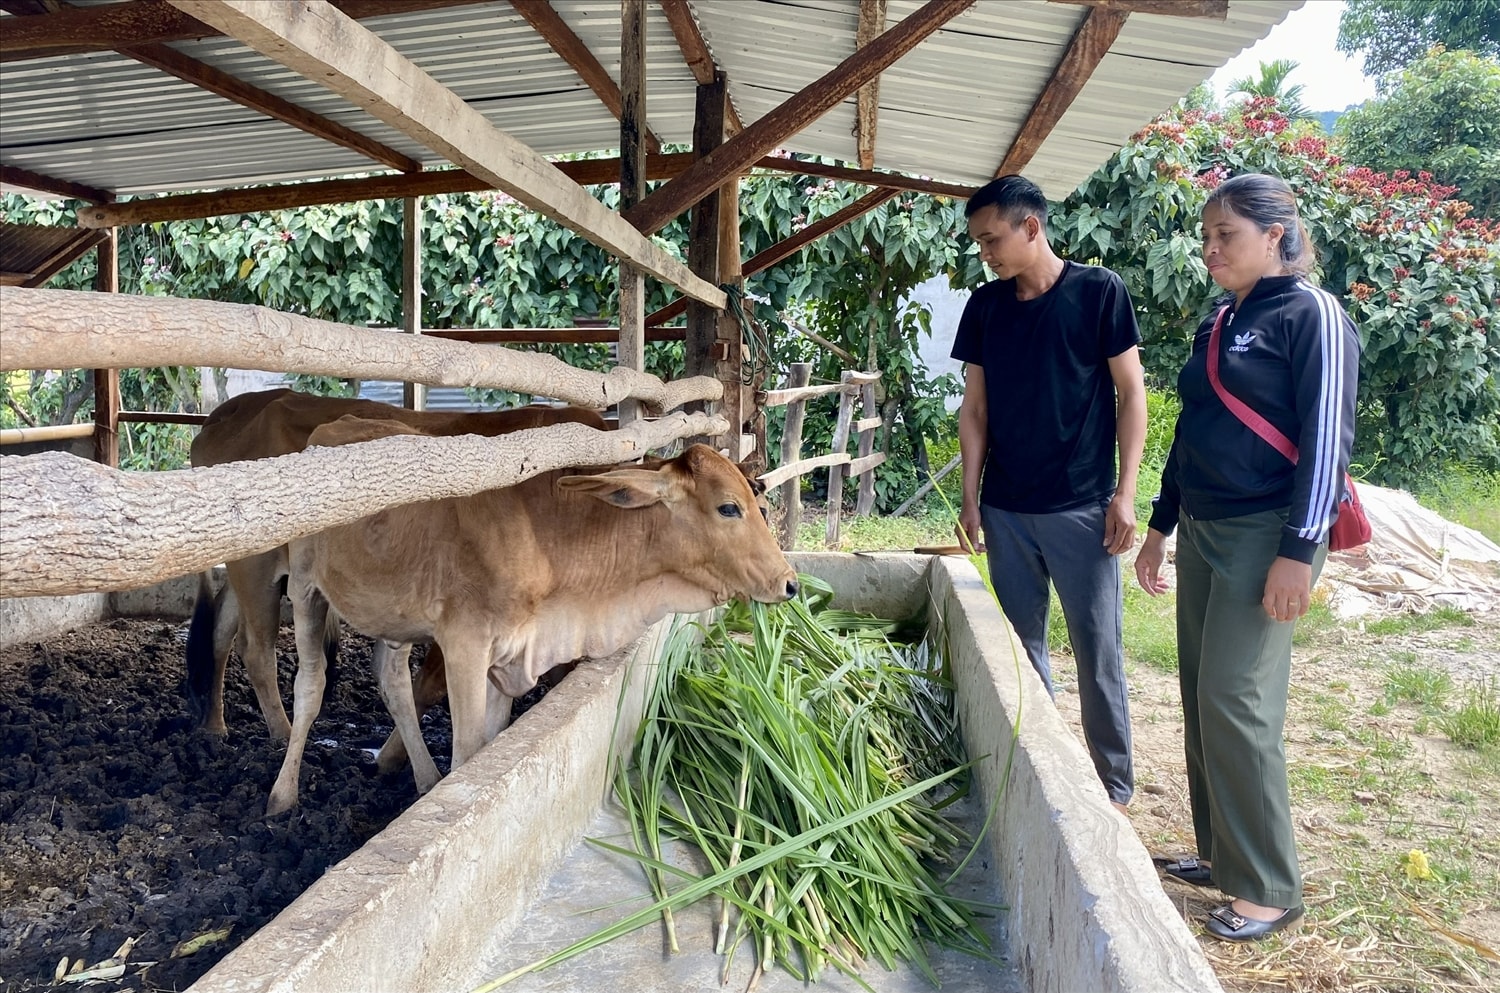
point(69, 525)
point(67, 329)
point(840, 462)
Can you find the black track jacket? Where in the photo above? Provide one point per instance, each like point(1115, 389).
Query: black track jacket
point(1292, 355)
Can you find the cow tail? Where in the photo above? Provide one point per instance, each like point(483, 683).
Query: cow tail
point(332, 628)
point(198, 687)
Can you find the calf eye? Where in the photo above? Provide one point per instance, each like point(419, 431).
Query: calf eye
point(729, 510)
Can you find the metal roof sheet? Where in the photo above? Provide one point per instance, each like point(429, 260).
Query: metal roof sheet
point(948, 110)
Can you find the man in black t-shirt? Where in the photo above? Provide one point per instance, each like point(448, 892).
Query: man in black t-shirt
point(1053, 386)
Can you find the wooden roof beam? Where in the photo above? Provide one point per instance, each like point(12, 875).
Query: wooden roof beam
point(867, 100)
point(695, 51)
point(1216, 9)
point(1101, 25)
point(566, 43)
point(110, 27)
point(804, 107)
point(16, 176)
point(64, 256)
point(324, 44)
point(782, 249)
point(289, 196)
point(221, 83)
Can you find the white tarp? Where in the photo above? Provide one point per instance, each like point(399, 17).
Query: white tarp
point(1416, 560)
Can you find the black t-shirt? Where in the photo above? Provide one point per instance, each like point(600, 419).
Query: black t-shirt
point(1051, 396)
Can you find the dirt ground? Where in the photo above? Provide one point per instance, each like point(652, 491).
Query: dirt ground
point(103, 771)
point(1371, 782)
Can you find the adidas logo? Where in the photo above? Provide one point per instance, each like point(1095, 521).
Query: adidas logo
point(1242, 342)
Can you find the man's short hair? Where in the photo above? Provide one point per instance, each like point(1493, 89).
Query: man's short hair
point(1016, 197)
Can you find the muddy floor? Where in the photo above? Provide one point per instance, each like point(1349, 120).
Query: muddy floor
point(119, 820)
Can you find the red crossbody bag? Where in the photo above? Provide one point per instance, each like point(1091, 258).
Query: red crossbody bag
point(1351, 528)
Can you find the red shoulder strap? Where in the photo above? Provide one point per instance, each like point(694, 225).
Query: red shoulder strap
point(1262, 427)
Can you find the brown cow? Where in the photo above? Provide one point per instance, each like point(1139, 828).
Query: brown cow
point(514, 581)
point(278, 422)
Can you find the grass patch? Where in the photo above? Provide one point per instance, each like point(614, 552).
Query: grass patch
point(1425, 687)
point(1475, 723)
point(1317, 622)
point(1470, 497)
point(1151, 628)
point(1433, 620)
point(875, 533)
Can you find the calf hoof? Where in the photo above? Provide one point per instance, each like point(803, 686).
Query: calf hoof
point(392, 757)
point(279, 805)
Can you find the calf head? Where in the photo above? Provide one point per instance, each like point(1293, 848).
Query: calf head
point(715, 536)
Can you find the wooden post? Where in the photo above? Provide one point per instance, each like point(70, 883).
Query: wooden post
point(729, 348)
point(413, 395)
point(631, 351)
point(836, 472)
point(866, 499)
point(791, 451)
point(107, 381)
point(703, 232)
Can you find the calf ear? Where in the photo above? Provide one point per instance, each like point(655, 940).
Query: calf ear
point(627, 488)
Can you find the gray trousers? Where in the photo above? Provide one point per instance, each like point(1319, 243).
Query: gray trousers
point(1026, 551)
point(1234, 665)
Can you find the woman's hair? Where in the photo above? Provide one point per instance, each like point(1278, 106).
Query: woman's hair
point(1265, 200)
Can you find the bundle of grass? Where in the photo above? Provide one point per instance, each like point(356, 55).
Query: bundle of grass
point(803, 722)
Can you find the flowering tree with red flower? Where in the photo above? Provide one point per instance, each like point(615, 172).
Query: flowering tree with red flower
point(1415, 270)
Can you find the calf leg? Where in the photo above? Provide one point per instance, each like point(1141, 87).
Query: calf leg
point(309, 613)
point(496, 709)
point(429, 687)
point(257, 586)
point(468, 663)
point(396, 690)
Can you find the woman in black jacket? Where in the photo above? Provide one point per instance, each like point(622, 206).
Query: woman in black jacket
point(1252, 485)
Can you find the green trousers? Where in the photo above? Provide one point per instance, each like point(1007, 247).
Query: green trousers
point(1234, 665)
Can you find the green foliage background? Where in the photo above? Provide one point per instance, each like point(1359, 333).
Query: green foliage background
point(1416, 271)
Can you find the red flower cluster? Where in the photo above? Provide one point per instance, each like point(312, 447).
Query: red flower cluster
point(1361, 291)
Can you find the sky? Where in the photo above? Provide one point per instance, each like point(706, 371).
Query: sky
point(1330, 79)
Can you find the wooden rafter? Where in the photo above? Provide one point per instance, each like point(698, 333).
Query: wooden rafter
point(1216, 9)
point(867, 100)
point(566, 43)
point(803, 108)
point(322, 43)
point(145, 22)
point(695, 51)
point(64, 256)
point(1100, 27)
point(16, 176)
point(289, 196)
point(216, 81)
point(770, 256)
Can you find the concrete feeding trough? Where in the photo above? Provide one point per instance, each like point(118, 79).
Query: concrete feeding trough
point(490, 870)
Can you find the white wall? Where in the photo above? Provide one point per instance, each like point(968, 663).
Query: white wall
point(947, 306)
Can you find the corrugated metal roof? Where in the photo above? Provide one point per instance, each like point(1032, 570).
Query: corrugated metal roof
point(949, 109)
point(30, 253)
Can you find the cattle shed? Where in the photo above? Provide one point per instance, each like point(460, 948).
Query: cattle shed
point(155, 110)
point(148, 111)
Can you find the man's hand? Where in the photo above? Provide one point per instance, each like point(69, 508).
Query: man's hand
point(1119, 523)
point(969, 529)
point(1288, 589)
point(1148, 563)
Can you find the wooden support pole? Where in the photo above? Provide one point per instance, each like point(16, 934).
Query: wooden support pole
point(633, 148)
point(865, 502)
point(729, 349)
point(703, 232)
point(836, 473)
point(413, 395)
point(107, 381)
point(791, 451)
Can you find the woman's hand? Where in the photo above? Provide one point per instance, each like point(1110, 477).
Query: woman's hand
point(1288, 589)
point(1148, 562)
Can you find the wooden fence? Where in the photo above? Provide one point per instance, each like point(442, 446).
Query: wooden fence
point(841, 464)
